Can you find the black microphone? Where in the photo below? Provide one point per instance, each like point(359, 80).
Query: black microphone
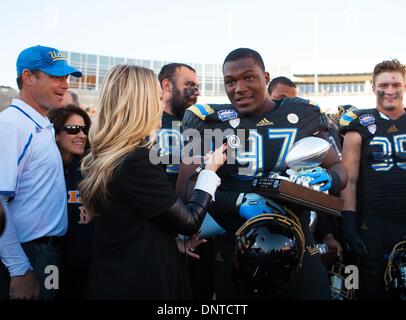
point(199, 168)
point(231, 140)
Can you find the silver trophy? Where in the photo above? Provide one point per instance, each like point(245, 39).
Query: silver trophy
point(305, 156)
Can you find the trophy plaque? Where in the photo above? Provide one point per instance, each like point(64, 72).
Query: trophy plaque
point(290, 192)
point(304, 156)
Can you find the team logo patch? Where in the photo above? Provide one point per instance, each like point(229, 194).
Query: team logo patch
point(226, 115)
point(367, 119)
point(234, 122)
point(372, 128)
point(293, 118)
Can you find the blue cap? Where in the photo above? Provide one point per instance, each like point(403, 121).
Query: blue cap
point(45, 59)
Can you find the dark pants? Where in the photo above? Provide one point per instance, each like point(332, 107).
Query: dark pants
point(380, 236)
point(201, 271)
point(310, 282)
point(41, 255)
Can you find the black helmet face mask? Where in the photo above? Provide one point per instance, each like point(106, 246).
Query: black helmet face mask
point(338, 288)
point(269, 249)
point(395, 273)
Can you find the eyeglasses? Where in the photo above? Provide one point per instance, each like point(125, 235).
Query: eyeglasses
point(75, 129)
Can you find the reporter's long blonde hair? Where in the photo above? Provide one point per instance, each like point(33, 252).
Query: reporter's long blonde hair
point(129, 111)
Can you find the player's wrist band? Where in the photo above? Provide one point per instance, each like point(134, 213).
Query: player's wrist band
point(335, 183)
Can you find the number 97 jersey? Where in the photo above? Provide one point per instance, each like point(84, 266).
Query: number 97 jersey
point(265, 138)
point(382, 172)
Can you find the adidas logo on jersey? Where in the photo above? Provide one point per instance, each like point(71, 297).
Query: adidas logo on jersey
point(264, 122)
point(393, 129)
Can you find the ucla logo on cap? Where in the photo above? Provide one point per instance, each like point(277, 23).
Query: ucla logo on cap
point(56, 55)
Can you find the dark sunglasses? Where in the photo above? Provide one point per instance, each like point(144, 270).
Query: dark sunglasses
point(75, 129)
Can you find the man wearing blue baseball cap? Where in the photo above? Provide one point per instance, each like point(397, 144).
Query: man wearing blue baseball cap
point(32, 187)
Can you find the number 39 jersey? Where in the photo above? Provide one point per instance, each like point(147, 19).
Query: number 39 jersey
point(267, 137)
point(382, 172)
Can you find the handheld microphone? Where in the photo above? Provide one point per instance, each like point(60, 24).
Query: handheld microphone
point(199, 168)
point(231, 140)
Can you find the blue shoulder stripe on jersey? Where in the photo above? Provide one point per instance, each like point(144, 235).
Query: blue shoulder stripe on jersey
point(27, 115)
point(347, 118)
point(202, 109)
point(25, 149)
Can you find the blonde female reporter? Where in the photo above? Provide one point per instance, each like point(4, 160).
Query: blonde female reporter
point(137, 213)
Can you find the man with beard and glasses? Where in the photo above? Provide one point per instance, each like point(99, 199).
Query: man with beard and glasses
point(180, 89)
point(374, 155)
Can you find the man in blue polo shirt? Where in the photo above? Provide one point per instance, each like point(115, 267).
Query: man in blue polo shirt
point(32, 187)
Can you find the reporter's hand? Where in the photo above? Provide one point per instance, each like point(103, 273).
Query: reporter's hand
point(188, 246)
point(253, 204)
point(214, 160)
point(351, 235)
point(24, 287)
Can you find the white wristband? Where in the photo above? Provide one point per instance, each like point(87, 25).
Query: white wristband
point(208, 181)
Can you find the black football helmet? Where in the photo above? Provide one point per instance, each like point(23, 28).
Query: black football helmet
point(269, 249)
point(395, 273)
point(338, 288)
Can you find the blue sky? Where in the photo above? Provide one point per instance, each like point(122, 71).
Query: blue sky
point(332, 37)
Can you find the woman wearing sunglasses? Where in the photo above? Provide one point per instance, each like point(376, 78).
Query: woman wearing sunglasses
point(72, 127)
point(137, 212)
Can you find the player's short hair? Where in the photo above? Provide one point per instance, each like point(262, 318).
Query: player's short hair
point(242, 53)
point(280, 80)
point(393, 65)
point(168, 71)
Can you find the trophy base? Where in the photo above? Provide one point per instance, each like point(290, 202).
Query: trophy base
point(292, 193)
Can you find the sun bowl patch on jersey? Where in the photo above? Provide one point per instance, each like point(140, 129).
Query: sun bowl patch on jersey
point(226, 115)
point(367, 119)
point(307, 152)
